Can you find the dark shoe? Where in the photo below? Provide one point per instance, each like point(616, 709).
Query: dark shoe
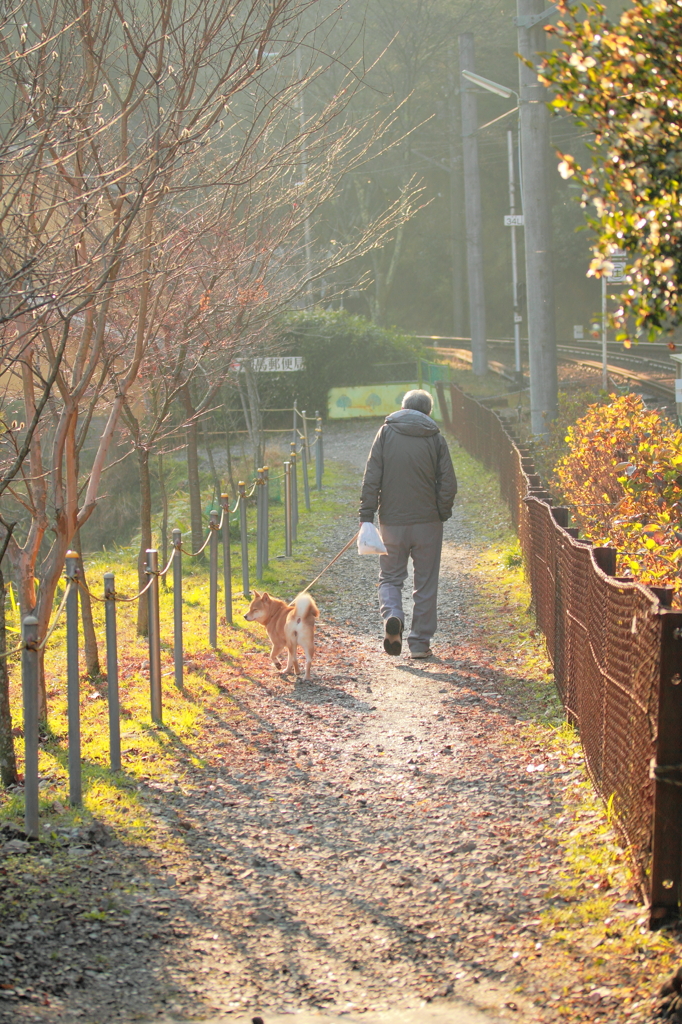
point(393, 637)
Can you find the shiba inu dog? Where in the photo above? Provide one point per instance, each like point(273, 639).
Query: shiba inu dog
point(289, 626)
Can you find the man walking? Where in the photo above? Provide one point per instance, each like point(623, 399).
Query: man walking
point(409, 479)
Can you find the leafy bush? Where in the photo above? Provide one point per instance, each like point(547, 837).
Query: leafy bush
point(339, 350)
point(623, 475)
point(554, 445)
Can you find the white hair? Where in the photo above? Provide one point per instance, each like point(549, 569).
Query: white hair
point(419, 400)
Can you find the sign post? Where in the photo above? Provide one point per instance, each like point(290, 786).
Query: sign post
point(677, 359)
point(617, 276)
point(514, 220)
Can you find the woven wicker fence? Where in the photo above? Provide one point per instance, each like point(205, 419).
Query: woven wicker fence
point(616, 649)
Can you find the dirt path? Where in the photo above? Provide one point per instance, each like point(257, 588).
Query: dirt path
point(375, 844)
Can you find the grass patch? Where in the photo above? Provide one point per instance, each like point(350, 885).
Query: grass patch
point(593, 932)
point(150, 751)
point(501, 597)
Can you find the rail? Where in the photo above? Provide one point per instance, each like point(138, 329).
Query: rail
point(637, 368)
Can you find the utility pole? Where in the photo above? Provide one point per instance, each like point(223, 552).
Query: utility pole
point(535, 151)
point(472, 205)
point(455, 209)
point(515, 276)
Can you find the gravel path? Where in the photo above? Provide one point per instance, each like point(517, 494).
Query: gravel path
point(374, 843)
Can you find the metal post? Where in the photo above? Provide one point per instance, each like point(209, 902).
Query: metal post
point(244, 539)
point(214, 521)
point(72, 681)
point(604, 357)
point(666, 859)
point(294, 433)
point(266, 517)
point(227, 557)
point(472, 209)
point(294, 493)
point(515, 275)
point(112, 672)
point(318, 458)
point(319, 427)
point(29, 685)
point(259, 525)
point(305, 432)
point(287, 510)
point(152, 569)
point(537, 212)
point(177, 608)
point(304, 470)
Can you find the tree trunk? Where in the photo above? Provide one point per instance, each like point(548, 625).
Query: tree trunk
point(26, 594)
point(8, 762)
point(89, 639)
point(164, 520)
point(145, 537)
point(195, 512)
point(217, 488)
point(256, 419)
point(228, 451)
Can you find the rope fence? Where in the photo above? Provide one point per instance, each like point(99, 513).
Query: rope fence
point(302, 449)
point(616, 649)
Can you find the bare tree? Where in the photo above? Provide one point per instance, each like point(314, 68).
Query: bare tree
point(126, 99)
point(8, 762)
point(159, 138)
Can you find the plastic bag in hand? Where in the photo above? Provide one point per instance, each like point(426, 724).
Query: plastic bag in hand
point(369, 540)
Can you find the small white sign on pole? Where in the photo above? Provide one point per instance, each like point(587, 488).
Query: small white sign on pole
point(678, 390)
point(578, 332)
point(619, 261)
point(513, 220)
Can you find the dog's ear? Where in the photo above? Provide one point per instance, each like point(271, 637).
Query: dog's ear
point(256, 594)
point(266, 596)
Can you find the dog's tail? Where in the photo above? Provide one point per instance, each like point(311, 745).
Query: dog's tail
point(305, 606)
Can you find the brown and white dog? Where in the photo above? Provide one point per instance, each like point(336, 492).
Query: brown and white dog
point(289, 626)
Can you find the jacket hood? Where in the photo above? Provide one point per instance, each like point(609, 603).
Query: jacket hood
point(411, 421)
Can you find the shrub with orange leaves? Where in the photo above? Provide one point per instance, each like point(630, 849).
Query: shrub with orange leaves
point(622, 478)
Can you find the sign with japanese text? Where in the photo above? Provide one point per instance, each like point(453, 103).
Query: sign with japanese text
point(270, 364)
point(619, 260)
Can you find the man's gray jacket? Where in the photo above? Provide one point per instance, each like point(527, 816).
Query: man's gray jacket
point(409, 476)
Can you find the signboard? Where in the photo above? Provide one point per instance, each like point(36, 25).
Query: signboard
point(513, 220)
point(619, 260)
point(578, 332)
point(270, 364)
point(374, 400)
point(678, 390)
point(518, 319)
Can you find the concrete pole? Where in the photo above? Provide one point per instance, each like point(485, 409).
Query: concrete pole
point(472, 207)
point(455, 209)
point(537, 210)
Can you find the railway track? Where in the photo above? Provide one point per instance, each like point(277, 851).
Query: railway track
point(650, 372)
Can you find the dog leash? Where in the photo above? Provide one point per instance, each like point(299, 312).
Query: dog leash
point(334, 559)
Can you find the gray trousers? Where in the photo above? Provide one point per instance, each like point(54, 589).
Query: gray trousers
point(422, 542)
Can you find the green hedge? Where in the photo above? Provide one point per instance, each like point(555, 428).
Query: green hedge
point(339, 350)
